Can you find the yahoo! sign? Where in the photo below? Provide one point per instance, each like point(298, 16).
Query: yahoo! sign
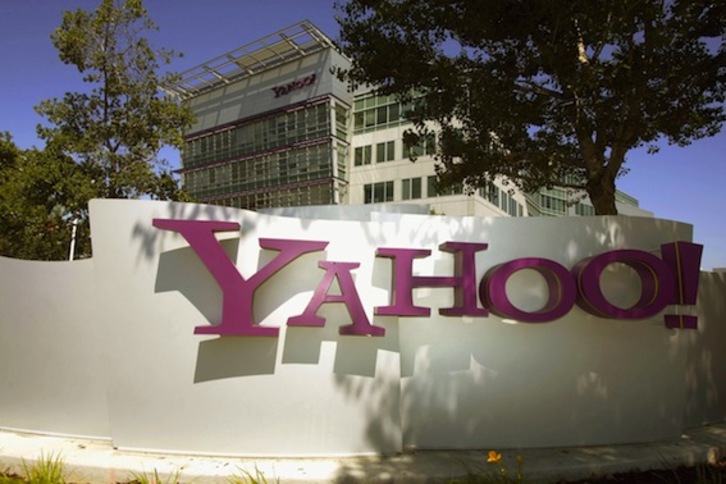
point(671, 279)
point(294, 85)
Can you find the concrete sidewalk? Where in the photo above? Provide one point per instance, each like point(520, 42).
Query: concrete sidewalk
point(97, 461)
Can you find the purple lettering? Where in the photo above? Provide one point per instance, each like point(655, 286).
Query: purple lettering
point(294, 85)
point(672, 280)
point(237, 293)
point(463, 281)
point(656, 284)
point(348, 296)
point(684, 260)
point(560, 285)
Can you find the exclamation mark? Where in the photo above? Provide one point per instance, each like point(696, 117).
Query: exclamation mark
point(684, 259)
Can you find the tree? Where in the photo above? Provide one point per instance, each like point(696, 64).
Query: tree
point(38, 193)
point(114, 132)
point(544, 92)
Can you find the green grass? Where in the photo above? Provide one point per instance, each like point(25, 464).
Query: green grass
point(48, 469)
point(248, 478)
point(155, 478)
point(7, 479)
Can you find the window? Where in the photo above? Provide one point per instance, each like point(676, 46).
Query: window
point(493, 194)
point(430, 144)
point(382, 115)
point(363, 155)
point(385, 151)
point(553, 205)
point(431, 186)
point(378, 192)
point(369, 118)
point(375, 112)
point(341, 121)
point(512, 207)
point(411, 189)
point(452, 190)
point(425, 145)
point(411, 150)
point(358, 121)
point(585, 210)
point(342, 160)
point(394, 112)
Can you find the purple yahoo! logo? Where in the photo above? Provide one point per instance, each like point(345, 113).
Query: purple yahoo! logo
point(669, 280)
point(294, 85)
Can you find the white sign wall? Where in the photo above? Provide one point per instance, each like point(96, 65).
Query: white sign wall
point(135, 333)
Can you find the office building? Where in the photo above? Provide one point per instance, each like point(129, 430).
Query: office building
point(276, 128)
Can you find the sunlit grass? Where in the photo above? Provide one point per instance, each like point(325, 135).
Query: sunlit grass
point(155, 478)
point(248, 478)
point(48, 469)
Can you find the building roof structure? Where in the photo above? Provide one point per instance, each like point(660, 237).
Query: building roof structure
point(295, 41)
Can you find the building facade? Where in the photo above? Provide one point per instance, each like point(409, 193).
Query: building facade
point(271, 125)
point(277, 128)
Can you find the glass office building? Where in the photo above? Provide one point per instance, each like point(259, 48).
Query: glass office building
point(276, 128)
point(271, 125)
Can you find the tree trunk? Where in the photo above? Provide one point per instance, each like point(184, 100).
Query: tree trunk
point(602, 194)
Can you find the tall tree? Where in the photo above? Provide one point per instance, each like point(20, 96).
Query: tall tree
point(39, 192)
point(544, 92)
point(115, 131)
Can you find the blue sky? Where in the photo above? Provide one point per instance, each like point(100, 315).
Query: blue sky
point(684, 184)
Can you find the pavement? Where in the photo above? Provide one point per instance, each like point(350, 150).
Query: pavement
point(96, 461)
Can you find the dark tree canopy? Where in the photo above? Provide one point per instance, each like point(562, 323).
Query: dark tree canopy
point(544, 92)
point(39, 190)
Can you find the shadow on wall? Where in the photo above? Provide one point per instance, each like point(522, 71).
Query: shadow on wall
point(475, 382)
point(181, 270)
point(704, 379)
point(439, 382)
point(488, 382)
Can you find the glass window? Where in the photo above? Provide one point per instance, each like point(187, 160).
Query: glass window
point(585, 210)
point(430, 144)
point(388, 195)
point(411, 189)
point(431, 186)
point(425, 145)
point(378, 192)
point(493, 194)
point(362, 155)
point(382, 115)
point(385, 151)
point(358, 121)
point(413, 149)
point(394, 112)
point(380, 152)
point(391, 150)
point(370, 118)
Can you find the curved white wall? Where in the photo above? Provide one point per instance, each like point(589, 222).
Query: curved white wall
point(51, 371)
point(107, 348)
